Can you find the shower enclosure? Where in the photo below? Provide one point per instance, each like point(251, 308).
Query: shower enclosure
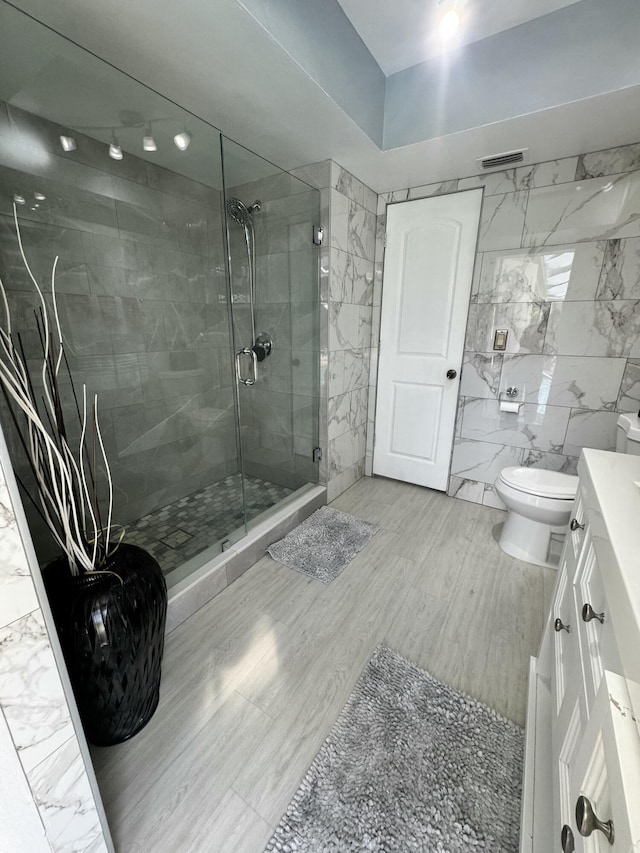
point(187, 285)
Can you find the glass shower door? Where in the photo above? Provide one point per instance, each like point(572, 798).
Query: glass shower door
point(273, 270)
point(159, 242)
point(126, 187)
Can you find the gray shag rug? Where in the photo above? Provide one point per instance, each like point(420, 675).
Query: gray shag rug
point(410, 765)
point(323, 544)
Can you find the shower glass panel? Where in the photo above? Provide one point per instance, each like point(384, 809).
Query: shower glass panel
point(128, 189)
point(141, 283)
point(273, 267)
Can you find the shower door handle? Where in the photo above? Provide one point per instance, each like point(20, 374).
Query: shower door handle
point(254, 366)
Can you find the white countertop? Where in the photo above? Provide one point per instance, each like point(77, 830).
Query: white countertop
point(612, 499)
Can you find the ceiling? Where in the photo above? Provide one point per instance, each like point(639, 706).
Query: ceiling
point(403, 33)
point(287, 86)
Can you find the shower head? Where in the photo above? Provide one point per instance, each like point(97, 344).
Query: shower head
point(239, 212)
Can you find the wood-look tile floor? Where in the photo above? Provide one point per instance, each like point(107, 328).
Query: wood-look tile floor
point(254, 680)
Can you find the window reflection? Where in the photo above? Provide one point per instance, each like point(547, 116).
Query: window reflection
point(544, 276)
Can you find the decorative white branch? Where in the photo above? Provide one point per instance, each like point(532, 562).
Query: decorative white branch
point(63, 487)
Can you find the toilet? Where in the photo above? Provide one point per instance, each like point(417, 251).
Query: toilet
point(540, 503)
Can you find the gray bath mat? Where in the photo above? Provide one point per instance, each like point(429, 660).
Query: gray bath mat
point(323, 544)
point(410, 765)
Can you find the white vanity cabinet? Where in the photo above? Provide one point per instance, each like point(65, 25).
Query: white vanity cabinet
point(582, 759)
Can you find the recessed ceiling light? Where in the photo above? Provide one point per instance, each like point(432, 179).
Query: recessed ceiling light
point(39, 196)
point(449, 25)
point(149, 143)
point(115, 152)
point(182, 140)
point(18, 199)
point(68, 143)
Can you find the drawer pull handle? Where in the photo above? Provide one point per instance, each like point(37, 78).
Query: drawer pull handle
point(566, 838)
point(587, 820)
point(559, 625)
point(575, 524)
point(588, 613)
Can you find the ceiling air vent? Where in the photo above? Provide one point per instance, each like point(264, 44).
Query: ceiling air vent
point(503, 161)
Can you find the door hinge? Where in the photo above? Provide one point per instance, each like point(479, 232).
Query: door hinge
point(318, 235)
point(316, 456)
point(384, 240)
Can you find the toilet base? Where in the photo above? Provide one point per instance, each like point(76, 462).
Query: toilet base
point(530, 540)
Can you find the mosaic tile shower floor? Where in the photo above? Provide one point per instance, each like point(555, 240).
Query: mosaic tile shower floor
point(184, 528)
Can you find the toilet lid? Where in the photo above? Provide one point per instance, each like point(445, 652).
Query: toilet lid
point(543, 484)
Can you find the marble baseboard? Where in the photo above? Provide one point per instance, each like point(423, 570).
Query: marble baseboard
point(474, 491)
point(21, 827)
point(343, 481)
point(65, 801)
point(347, 449)
point(31, 694)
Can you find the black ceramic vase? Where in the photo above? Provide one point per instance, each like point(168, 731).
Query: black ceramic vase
point(111, 629)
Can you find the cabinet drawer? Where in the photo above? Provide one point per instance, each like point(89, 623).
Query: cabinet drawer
point(566, 742)
point(598, 649)
point(606, 770)
point(575, 538)
point(565, 642)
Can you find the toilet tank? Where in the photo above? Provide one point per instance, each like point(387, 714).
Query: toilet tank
point(628, 434)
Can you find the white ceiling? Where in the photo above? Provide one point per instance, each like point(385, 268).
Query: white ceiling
point(402, 33)
point(212, 58)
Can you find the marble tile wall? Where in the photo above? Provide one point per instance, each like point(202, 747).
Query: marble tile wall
point(351, 291)
point(347, 293)
point(143, 304)
point(50, 786)
point(558, 266)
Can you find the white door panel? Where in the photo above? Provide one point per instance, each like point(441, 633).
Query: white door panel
point(427, 280)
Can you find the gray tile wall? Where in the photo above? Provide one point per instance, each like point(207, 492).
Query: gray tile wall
point(142, 299)
point(558, 265)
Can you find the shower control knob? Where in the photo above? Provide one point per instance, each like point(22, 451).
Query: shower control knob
point(263, 346)
point(451, 373)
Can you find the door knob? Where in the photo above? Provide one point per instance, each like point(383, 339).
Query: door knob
point(587, 820)
point(566, 839)
point(559, 625)
point(451, 373)
point(575, 524)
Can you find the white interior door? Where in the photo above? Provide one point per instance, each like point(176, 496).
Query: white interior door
point(428, 268)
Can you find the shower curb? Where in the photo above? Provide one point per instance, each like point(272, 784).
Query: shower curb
point(196, 590)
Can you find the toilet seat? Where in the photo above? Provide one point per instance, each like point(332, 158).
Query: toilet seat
point(541, 483)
